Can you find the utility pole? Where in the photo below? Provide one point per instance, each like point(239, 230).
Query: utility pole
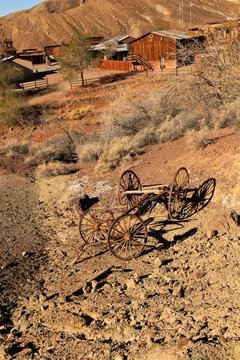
point(190, 13)
point(181, 13)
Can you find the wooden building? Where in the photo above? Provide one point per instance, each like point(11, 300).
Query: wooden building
point(163, 46)
point(7, 49)
point(36, 56)
point(116, 48)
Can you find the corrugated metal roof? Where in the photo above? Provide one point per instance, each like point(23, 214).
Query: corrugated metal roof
point(105, 44)
point(6, 59)
point(176, 34)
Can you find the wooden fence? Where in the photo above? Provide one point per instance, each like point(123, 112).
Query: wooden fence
point(107, 79)
point(34, 85)
point(74, 84)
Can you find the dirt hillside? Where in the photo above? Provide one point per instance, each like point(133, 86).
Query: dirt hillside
point(178, 301)
point(53, 22)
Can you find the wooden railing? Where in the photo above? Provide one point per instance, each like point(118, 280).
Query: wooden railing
point(138, 59)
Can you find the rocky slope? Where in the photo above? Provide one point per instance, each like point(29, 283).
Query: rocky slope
point(179, 300)
point(55, 21)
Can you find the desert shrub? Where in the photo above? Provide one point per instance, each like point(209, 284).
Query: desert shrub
point(90, 151)
point(125, 149)
point(228, 115)
point(131, 112)
point(81, 112)
point(17, 147)
point(31, 115)
point(10, 102)
point(58, 148)
point(55, 169)
point(200, 139)
point(114, 153)
point(148, 136)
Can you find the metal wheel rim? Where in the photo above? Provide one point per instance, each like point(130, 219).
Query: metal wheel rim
point(128, 181)
point(178, 192)
point(87, 221)
point(127, 225)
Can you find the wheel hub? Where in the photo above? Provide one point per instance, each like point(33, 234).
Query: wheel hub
point(127, 237)
point(96, 226)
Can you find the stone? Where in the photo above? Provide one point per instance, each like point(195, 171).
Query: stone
point(143, 295)
point(118, 357)
point(131, 284)
point(188, 292)
point(217, 331)
point(94, 284)
point(136, 276)
point(182, 342)
point(157, 263)
point(178, 291)
point(86, 289)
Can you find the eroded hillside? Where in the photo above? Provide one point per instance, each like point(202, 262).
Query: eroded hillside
point(56, 21)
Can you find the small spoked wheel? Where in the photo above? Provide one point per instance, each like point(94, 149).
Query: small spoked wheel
point(178, 193)
point(128, 181)
point(94, 225)
point(205, 193)
point(127, 237)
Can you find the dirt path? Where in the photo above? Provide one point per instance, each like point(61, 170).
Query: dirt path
point(22, 244)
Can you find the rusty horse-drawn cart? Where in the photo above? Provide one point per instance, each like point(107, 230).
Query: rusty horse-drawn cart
point(125, 227)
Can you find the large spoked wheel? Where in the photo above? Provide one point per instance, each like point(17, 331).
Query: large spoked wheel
point(178, 193)
point(94, 225)
point(128, 181)
point(127, 237)
point(205, 193)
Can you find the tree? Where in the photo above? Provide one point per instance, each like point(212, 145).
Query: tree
point(9, 101)
point(218, 68)
point(76, 56)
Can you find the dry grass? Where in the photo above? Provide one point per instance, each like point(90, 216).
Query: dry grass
point(228, 115)
point(58, 148)
point(90, 151)
point(186, 106)
point(125, 149)
point(81, 112)
point(200, 139)
point(55, 169)
point(15, 147)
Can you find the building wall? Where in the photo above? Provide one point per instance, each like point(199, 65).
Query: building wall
point(26, 69)
point(117, 65)
point(53, 50)
point(152, 47)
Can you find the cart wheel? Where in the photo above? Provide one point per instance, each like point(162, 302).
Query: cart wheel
point(128, 181)
point(205, 193)
point(127, 237)
point(94, 225)
point(178, 193)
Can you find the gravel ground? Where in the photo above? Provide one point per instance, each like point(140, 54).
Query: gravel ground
point(179, 300)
